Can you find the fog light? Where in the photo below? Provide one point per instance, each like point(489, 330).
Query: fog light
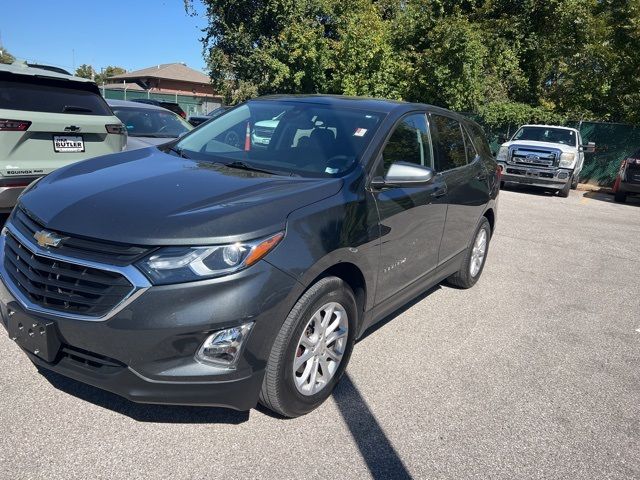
point(223, 348)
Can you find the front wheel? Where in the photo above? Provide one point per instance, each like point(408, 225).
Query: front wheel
point(564, 193)
point(474, 258)
point(620, 197)
point(311, 350)
point(574, 183)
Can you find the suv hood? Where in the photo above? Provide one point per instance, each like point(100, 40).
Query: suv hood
point(531, 143)
point(148, 197)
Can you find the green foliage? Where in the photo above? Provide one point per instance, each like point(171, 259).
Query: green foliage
point(507, 60)
point(85, 71)
point(5, 56)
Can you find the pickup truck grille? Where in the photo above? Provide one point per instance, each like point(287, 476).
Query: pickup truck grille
point(534, 157)
point(63, 286)
point(263, 132)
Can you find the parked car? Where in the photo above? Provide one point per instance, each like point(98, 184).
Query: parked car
point(173, 106)
point(628, 178)
point(196, 120)
point(49, 120)
point(148, 125)
point(544, 156)
point(204, 273)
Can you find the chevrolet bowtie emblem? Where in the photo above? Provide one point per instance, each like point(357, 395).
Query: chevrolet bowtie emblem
point(47, 239)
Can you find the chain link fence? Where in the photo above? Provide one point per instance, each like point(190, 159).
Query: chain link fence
point(191, 104)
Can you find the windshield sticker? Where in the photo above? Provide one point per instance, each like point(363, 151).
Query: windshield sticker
point(360, 132)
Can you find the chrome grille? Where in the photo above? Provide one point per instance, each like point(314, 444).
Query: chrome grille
point(63, 286)
point(263, 132)
point(534, 157)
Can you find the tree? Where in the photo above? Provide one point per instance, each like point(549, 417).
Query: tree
point(85, 71)
point(5, 56)
point(554, 59)
point(108, 72)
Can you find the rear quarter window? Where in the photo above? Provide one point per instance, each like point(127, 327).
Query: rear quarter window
point(38, 95)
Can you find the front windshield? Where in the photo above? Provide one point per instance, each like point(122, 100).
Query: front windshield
point(547, 134)
point(285, 137)
point(148, 122)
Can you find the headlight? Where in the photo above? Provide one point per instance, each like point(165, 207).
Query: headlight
point(502, 154)
point(566, 159)
point(186, 264)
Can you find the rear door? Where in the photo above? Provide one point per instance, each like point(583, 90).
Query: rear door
point(466, 176)
point(48, 123)
point(411, 218)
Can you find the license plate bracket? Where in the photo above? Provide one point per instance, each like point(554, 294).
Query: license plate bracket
point(68, 143)
point(38, 337)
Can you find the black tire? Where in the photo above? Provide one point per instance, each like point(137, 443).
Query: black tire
point(574, 183)
point(620, 197)
point(564, 193)
point(463, 278)
point(279, 392)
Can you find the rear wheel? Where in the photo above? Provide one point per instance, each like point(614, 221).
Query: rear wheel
point(311, 350)
point(620, 197)
point(474, 258)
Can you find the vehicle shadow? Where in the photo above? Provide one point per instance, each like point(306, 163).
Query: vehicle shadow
point(143, 412)
point(608, 197)
point(400, 311)
point(519, 188)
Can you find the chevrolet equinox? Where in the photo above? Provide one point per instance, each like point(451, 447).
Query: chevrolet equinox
point(218, 270)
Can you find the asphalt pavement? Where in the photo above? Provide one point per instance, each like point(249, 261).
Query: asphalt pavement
point(533, 373)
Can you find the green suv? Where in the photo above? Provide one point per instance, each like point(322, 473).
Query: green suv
point(49, 120)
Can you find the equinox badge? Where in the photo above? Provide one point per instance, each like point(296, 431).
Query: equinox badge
point(47, 239)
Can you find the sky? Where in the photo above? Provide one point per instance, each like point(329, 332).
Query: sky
point(131, 34)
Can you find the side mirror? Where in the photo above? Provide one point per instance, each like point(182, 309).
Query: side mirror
point(588, 148)
point(404, 174)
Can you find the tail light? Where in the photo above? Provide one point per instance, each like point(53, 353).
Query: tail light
point(14, 125)
point(116, 128)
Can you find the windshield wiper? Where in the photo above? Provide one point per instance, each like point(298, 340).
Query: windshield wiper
point(74, 108)
point(179, 151)
point(245, 166)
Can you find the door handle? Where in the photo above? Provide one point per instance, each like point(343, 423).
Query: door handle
point(481, 176)
point(440, 192)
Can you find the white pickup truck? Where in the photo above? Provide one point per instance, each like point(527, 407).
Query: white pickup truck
point(544, 156)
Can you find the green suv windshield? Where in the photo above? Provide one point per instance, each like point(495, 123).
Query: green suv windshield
point(285, 137)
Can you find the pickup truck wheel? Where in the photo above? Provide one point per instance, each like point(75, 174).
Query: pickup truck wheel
point(311, 350)
point(474, 258)
point(564, 193)
point(620, 197)
point(574, 183)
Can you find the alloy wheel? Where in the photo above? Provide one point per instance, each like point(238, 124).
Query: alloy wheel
point(320, 349)
point(478, 253)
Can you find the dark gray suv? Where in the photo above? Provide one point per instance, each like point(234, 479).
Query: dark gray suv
point(218, 272)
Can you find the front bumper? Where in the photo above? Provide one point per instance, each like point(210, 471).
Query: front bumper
point(540, 177)
point(146, 352)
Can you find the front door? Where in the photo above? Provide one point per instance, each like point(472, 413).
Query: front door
point(411, 218)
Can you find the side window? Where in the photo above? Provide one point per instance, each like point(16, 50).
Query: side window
point(449, 144)
point(471, 150)
point(480, 140)
point(409, 142)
